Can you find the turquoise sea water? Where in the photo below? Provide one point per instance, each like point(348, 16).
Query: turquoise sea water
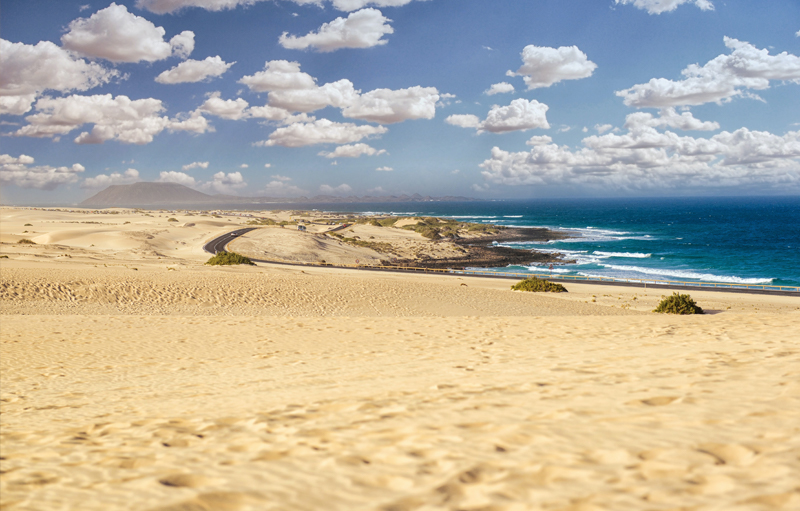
point(742, 240)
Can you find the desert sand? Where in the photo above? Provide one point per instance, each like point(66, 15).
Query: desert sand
point(134, 377)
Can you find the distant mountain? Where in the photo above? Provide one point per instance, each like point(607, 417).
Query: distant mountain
point(147, 194)
point(173, 194)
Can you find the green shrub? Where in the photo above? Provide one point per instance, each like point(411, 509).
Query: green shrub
point(678, 304)
point(538, 285)
point(172, 220)
point(3, 257)
point(229, 258)
point(28, 225)
point(26, 241)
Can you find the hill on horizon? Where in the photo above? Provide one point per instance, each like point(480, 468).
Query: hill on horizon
point(174, 194)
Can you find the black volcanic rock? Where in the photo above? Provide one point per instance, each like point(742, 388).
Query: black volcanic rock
point(147, 194)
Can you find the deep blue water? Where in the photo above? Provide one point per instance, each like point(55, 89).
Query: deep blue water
point(741, 240)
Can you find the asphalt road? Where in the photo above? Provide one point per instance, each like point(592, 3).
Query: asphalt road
point(219, 244)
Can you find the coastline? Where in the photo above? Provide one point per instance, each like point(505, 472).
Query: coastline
point(135, 376)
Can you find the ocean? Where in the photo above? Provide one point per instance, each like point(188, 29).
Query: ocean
point(733, 240)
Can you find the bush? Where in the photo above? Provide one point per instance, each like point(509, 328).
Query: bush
point(678, 304)
point(26, 241)
point(538, 285)
point(28, 225)
point(172, 220)
point(229, 258)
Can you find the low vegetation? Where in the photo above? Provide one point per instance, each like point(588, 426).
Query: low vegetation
point(262, 221)
point(678, 304)
point(538, 285)
point(378, 246)
point(172, 220)
point(26, 241)
point(229, 258)
point(28, 225)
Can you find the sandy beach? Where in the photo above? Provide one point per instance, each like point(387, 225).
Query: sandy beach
point(134, 377)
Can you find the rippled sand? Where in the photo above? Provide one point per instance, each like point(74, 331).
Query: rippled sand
point(278, 387)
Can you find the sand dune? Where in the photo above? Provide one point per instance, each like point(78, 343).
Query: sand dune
point(135, 378)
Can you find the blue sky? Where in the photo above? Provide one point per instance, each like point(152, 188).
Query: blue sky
point(491, 99)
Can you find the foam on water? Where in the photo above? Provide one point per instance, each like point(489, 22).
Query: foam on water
point(688, 274)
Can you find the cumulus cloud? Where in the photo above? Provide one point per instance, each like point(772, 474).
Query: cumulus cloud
point(543, 66)
point(225, 183)
point(659, 6)
point(278, 177)
point(233, 109)
point(384, 169)
point(463, 120)
point(322, 131)
point(337, 190)
point(280, 187)
point(387, 106)
point(167, 6)
point(352, 151)
point(279, 75)
point(114, 118)
point(499, 88)
point(602, 128)
point(361, 29)
point(519, 115)
point(337, 94)
point(719, 80)
point(539, 140)
point(244, 166)
point(28, 70)
point(172, 176)
point(644, 158)
point(191, 71)
point(669, 118)
point(117, 35)
point(18, 171)
point(196, 165)
point(115, 178)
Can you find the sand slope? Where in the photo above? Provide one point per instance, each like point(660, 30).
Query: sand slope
point(132, 377)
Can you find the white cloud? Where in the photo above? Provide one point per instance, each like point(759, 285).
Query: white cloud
point(384, 169)
point(196, 165)
point(352, 151)
point(464, 120)
point(337, 94)
point(338, 190)
point(603, 128)
point(244, 166)
point(114, 118)
point(29, 70)
point(181, 178)
point(225, 183)
point(455, 171)
point(659, 6)
point(268, 166)
point(233, 109)
point(391, 106)
point(278, 177)
point(644, 158)
point(115, 178)
point(281, 188)
point(719, 80)
point(117, 35)
point(322, 131)
point(361, 29)
point(191, 71)
point(279, 75)
point(499, 88)
point(519, 115)
point(168, 6)
point(18, 171)
point(543, 66)
point(539, 140)
point(798, 33)
point(669, 118)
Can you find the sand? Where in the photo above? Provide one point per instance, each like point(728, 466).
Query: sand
point(133, 382)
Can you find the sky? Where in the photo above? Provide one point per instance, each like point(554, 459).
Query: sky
point(482, 98)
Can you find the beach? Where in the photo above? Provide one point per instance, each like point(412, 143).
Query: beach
point(135, 377)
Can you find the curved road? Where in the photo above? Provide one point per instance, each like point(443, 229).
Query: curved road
point(219, 244)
